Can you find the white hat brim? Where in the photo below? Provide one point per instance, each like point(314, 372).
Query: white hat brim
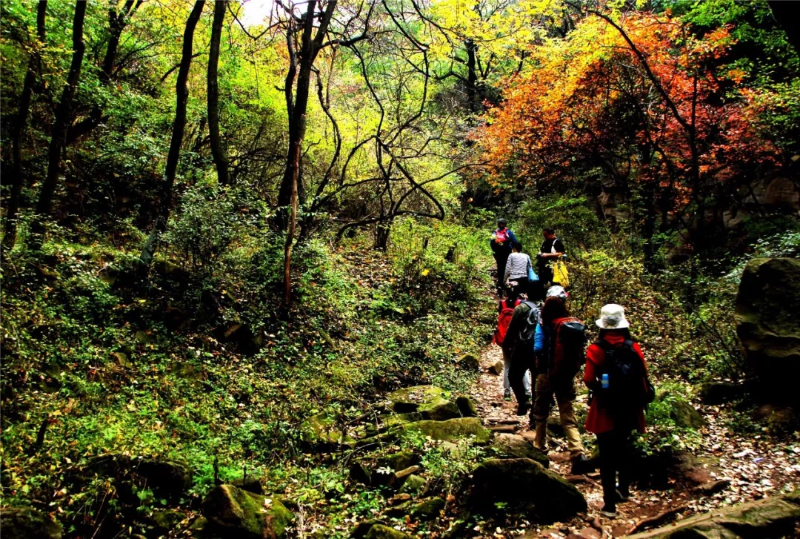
point(622, 324)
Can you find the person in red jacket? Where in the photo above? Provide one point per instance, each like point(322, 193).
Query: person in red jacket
point(613, 428)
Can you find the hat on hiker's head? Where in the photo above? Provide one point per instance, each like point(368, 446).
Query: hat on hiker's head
point(557, 291)
point(612, 316)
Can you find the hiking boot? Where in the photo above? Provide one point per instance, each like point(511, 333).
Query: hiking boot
point(581, 465)
point(507, 395)
point(623, 495)
point(522, 409)
point(609, 511)
point(529, 395)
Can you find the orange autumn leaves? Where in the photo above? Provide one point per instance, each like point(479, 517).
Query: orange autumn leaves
point(587, 101)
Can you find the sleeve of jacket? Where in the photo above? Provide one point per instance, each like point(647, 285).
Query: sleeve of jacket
point(593, 356)
point(512, 236)
point(538, 340)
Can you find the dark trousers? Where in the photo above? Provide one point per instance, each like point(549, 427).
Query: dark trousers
point(501, 258)
point(520, 364)
point(615, 456)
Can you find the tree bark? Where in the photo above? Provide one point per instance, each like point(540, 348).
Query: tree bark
point(117, 21)
point(61, 123)
point(217, 147)
point(287, 196)
point(178, 128)
point(20, 125)
point(472, 76)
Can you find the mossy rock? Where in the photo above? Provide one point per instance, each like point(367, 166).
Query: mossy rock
point(469, 362)
point(321, 431)
point(27, 523)
point(236, 512)
point(379, 531)
point(527, 483)
point(466, 406)
point(412, 485)
point(167, 519)
point(428, 509)
point(771, 517)
point(685, 415)
point(399, 461)
point(416, 399)
point(514, 446)
point(440, 411)
point(452, 429)
point(401, 419)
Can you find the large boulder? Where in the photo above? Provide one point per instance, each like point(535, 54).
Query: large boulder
point(528, 483)
point(233, 512)
point(26, 523)
point(169, 479)
point(768, 325)
point(771, 517)
point(452, 430)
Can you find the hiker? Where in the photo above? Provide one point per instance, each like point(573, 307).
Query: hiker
point(506, 308)
point(559, 345)
point(518, 270)
point(518, 348)
point(551, 251)
point(501, 242)
point(617, 375)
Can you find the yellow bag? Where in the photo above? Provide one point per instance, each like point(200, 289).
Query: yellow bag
point(560, 273)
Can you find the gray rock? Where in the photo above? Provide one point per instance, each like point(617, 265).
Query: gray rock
point(768, 326)
point(428, 509)
point(466, 406)
point(496, 368)
point(469, 362)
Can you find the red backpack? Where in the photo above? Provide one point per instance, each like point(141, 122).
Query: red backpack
point(568, 348)
point(503, 321)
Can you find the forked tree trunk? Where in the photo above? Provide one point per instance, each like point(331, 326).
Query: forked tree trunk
point(18, 129)
point(178, 127)
point(61, 124)
point(217, 147)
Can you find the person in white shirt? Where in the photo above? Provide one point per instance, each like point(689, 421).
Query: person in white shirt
point(517, 268)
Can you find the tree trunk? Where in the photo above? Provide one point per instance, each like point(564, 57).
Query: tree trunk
point(217, 147)
point(117, 21)
point(472, 77)
point(61, 123)
point(20, 124)
point(178, 127)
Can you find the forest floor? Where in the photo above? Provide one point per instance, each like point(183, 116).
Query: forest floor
point(727, 468)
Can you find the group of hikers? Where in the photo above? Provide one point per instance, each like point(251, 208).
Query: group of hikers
point(544, 349)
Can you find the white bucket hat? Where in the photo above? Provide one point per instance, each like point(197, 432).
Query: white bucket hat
point(557, 291)
point(612, 316)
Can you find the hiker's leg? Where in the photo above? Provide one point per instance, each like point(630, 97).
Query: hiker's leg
point(565, 396)
point(506, 367)
point(527, 381)
point(501, 259)
point(625, 453)
point(541, 410)
point(516, 373)
point(606, 443)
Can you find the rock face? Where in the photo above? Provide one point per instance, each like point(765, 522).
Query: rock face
point(771, 517)
point(768, 325)
point(526, 482)
point(514, 446)
point(26, 522)
point(234, 512)
point(452, 429)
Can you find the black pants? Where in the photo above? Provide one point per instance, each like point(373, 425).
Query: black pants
point(523, 287)
point(520, 363)
point(501, 258)
point(615, 456)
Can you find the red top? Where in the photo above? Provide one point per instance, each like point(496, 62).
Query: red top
point(599, 419)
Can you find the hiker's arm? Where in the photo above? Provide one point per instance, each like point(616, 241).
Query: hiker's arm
point(590, 373)
point(560, 250)
point(641, 355)
point(538, 340)
point(512, 333)
point(507, 273)
point(512, 237)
